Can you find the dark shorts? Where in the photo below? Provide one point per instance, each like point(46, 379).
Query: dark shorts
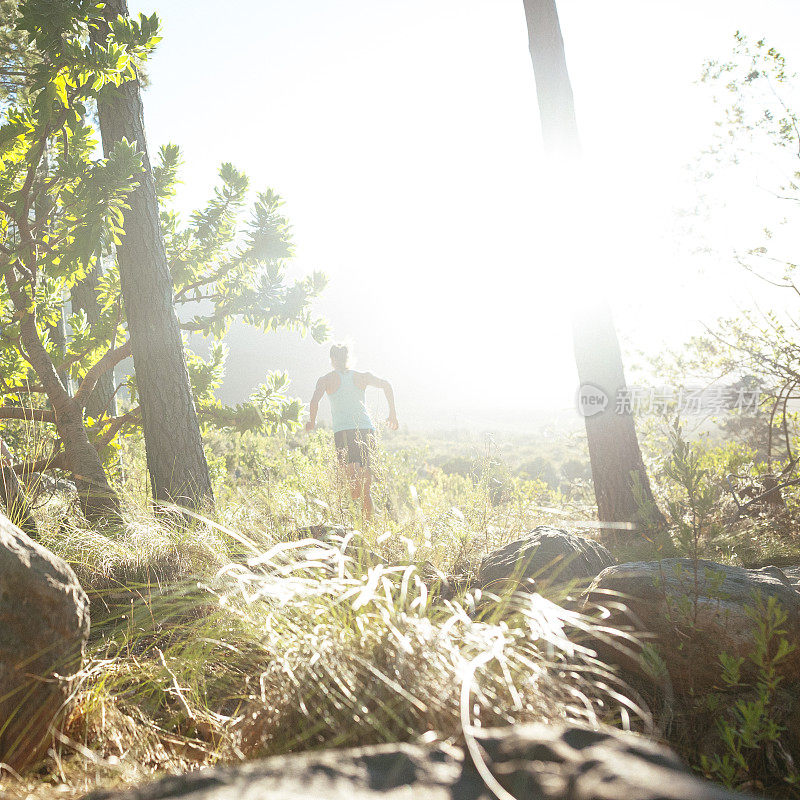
point(355, 446)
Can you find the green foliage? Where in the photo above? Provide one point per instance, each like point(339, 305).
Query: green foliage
point(62, 212)
point(692, 513)
point(749, 731)
point(269, 409)
point(757, 95)
point(695, 487)
point(15, 52)
point(234, 269)
point(59, 201)
point(225, 269)
point(542, 469)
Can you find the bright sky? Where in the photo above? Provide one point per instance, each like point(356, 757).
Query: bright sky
point(403, 135)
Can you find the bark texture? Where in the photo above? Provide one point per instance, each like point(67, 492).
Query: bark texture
point(175, 457)
point(44, 625)
point(621, 485)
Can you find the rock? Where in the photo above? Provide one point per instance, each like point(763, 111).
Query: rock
point(546, 555)
point(40, 484)
point(793, 575)
point(660, 597)
point(44, 624)
point(536, 762)
point(570, 762)
point(441, 585)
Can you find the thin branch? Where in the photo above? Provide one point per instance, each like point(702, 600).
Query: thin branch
point(196, 298)
point(213, 277)
point(8, 210)
point(56, 461)
point(107, 362)
point(115, 425)
point(35, 388)
point(30, 414)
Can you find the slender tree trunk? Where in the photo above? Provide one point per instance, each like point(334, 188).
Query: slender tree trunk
point(102, 402)
point(175, 457)
point(58, 335)
point(13, 497)
point(621, 485)
point(103, 399)
point(57, 331)
point(553, 87)
point(98, 499)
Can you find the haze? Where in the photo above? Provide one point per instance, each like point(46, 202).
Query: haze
point(404, 137)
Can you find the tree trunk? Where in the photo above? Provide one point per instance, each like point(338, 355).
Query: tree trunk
point(621, 485)
point(175, 457)
point(553, 87)
point(58, 335)
point(12, 495)
point(102, 400)
point(58, 331)
point(618, 471)
point(98, 499)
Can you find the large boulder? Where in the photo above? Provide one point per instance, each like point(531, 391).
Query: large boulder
point(44, 624)
point(545, 556)
point(537, 762)
point(696, 615)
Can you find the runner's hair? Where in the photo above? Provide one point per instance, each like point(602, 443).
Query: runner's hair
point(339, 356)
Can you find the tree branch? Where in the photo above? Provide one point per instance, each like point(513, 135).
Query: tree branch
point(107, 362)
point(115, 425)
point(8, 210)
point(41, 465)
point(35, 388)
point(206, 279)
point(32, 414)
point(31, 345)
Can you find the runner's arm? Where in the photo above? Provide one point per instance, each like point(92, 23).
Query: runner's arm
point(313, 406)
point(379, 383)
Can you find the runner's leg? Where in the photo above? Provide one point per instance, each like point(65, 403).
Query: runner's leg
point(342, 478)
point(366, 494)
point(354, 480)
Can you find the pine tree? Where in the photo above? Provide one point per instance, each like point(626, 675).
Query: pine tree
point(176, 460)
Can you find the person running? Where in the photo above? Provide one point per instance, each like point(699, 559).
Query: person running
point(353, 431)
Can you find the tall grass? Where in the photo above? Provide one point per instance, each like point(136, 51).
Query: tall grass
point(242, 636)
